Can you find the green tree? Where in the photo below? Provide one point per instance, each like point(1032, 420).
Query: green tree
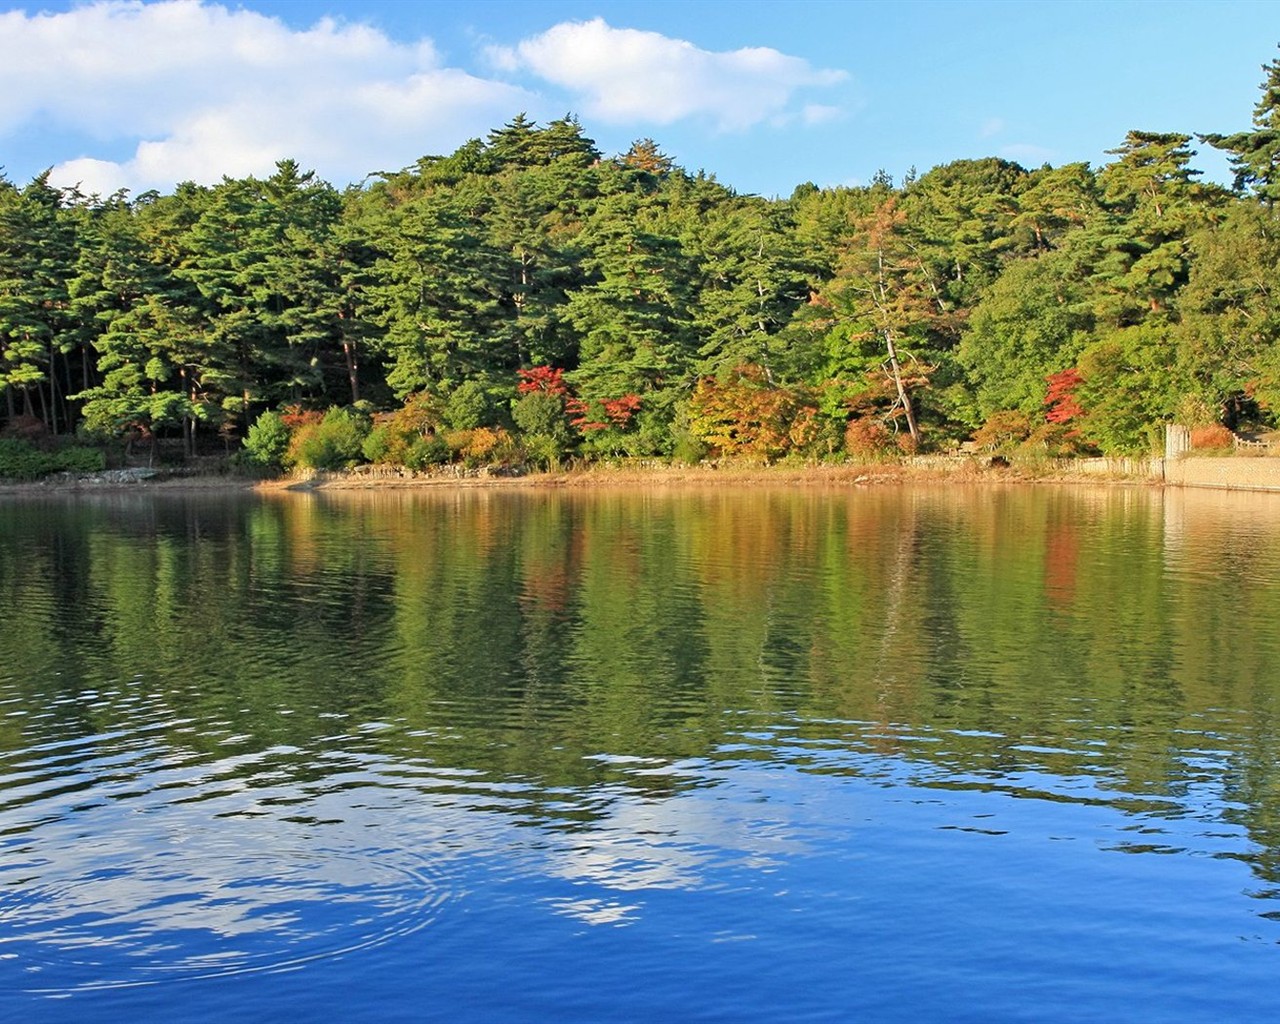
point(753, 279)
point(1153, 206)
point(1229, 334)
point(438, 295)
point(1034, 320)
point(883, 316)
point(960, 217)
point(1255, 155)
point(267, 442)
point(1052, 202)
point(633, 315)
point(516, 143)
point(37, 328)
point(1130, 388)
point(148, 360)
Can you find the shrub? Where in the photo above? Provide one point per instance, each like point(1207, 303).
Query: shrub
point(21, 460)
point(428, 450)
point(1054, 441)
point(1194, 411)
point(540, 416)
point(336, 442)
point(866, 437)
point(541, 412)
point(79, 459)
point(267, 442)
point(296, 416)
point(381, 443)
point(482, 446)
point(1003, 430)
point(1214, 436)
point(470, 405)
point(543, 450)
point(409, 436)
point(688, 449)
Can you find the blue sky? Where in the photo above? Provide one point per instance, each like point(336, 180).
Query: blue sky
point(763, 95)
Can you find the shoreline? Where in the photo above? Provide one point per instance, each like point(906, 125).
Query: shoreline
point(1230, 474)
point(969, 471)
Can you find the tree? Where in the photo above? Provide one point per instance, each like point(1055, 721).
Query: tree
point(438, 296)
point(883, 309)
point(515, 143)
point(1129, 387)
point(564, 140)
point(299, 286)
point(37, 257)
point(645, 156)
point(1229, 333)
point(540, 412)
point(745, 415)
point(524, 225)
point(1052, 202)
point(960, 218)
point(150, 332)
point(1153, 206)
point(633, 313)
point(1061, 401)
point(1034, 320)
point(1255, 155)
point(753, 279)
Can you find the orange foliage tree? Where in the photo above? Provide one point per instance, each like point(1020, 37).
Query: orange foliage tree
point(746, 416)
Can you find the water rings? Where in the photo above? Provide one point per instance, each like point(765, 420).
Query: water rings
point(174, 868)
point(141, 918)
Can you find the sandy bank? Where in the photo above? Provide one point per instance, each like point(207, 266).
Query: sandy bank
point(932, 470)
point(966, 471)
point(969, 470)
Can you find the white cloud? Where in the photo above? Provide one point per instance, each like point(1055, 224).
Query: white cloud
point(204, 90)
point(991, 127)
point(818, 113)
point(631, 76)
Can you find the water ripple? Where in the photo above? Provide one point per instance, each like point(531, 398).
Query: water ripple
point(182, 911)
point(139, 864)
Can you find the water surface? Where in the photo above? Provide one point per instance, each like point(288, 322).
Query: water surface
point(740, 755)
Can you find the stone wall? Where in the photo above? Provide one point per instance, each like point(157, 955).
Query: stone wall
point(1261, 473)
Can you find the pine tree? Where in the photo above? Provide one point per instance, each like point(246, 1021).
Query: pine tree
point(633, 315)
point(1255, 155)
point(37, 257)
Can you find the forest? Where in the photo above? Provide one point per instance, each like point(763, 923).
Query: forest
point(528, 300)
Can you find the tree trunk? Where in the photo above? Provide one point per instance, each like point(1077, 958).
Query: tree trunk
point(881, 297)
point(903, 397)
point(53, 391)
point(68, 386)
point(353, 376)
point(44, 409)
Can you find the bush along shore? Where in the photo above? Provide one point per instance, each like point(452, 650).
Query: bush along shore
point(346, 449)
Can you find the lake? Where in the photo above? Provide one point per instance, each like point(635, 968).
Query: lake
point(751, 754)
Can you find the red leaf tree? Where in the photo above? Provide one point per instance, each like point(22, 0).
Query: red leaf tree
point(1061, 403)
